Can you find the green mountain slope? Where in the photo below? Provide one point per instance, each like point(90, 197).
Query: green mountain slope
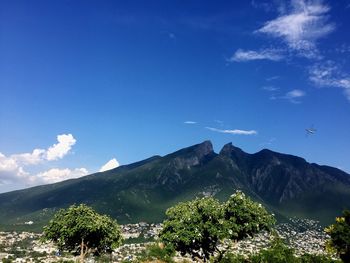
point(287, 185)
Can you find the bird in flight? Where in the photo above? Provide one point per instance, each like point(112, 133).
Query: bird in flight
point(310, 131)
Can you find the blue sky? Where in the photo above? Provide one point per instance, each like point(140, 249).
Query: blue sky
point(86, 82)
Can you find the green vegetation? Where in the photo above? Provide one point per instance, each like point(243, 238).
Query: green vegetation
point(278, 252)
point(197, 227)
point(81, 230)
point(340, 236)
point(194, 227)
point(157, 252)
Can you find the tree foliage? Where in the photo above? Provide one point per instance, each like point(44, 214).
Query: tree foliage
point(81, 230)
point(244, 217)
point(340, 236)
point(194, 227)
point(197, 227)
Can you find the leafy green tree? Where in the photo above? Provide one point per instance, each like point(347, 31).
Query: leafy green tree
point(81, 230)
point(197, 227)
point(244, 217)
point(340, 236)
point(194, 227)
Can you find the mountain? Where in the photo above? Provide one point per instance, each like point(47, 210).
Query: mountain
point(287, 185)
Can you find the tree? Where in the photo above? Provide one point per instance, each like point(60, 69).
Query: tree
point(197, 227)
point(194, 227)
point(340, 236)
point(244, 217)
point(81, 230)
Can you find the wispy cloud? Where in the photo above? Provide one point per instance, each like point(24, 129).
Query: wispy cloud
point(219, 122)
point(296, 93)
point(171, 35)
point(272, 78)
point(270, 88)
point(247, 55)
point(300, 25)
point(344, 48)
point(190, 122)
point(235, 132)
point(269, 142)
point(292, 96)
point(328, 74)
point(304, 23)
point(267, 6)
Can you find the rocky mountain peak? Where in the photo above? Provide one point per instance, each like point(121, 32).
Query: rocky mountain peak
point(203, 149)
point(230, 151)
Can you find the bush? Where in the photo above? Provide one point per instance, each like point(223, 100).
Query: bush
point(157, 252)
point(232, 258)
point(307, 258)
point(278, 252)
point(340, 236)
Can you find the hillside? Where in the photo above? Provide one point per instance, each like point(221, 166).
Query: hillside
point(142, 191)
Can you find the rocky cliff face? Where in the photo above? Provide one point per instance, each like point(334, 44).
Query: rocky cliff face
point(196, 155)
point(180, 163)
point(278, 177)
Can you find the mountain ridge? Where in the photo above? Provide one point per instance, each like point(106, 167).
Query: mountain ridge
point(288, 185)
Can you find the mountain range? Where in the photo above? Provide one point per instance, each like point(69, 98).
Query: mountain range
point(287, 185)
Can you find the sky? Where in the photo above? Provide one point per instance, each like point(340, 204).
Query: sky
point(86, 86)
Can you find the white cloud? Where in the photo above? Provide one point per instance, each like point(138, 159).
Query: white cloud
point(247, 55)
point(57, 151)
point(190, 122)
point(293, 95)
point(301, 27)
point(7, 164)
point(328, 74)
point(56, 175)
point(235, 132)
point(270, 88)
point(10, 170)
point(13, 167)
point(296, 93)
point(111, 164)
point(35, 157)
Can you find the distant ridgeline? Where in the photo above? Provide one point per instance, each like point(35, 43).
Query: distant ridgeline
point(287, 185)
